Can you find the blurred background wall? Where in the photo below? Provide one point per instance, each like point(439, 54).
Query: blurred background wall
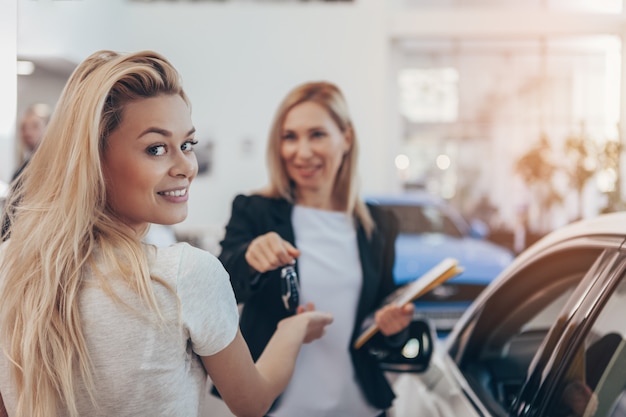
point(511, 105)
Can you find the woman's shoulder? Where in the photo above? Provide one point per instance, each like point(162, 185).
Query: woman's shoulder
point(179, 250)
point(380, 214)
point(257, 200)
point(181, 256)
point(383, 218)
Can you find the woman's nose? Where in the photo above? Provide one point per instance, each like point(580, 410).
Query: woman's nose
point(303, 149)
point(184, 165)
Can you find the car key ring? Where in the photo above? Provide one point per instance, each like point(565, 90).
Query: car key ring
point(290, 287)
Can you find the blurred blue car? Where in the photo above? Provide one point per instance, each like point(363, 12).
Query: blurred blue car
point(431, 230)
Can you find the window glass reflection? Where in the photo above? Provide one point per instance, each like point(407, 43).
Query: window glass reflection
point(595, 382)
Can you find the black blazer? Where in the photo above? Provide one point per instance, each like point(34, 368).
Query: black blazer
point(255, 215)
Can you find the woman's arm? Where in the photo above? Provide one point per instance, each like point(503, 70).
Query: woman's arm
point(249, 389)
point(391, 319)
point(240, 231)
point(251, 247)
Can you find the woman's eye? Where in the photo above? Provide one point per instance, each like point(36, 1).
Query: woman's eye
point(318, 134)
point(157, 150)
point(188, 146)
point(289, 136)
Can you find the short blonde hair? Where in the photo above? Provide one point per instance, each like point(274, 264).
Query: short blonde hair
point(345, 190)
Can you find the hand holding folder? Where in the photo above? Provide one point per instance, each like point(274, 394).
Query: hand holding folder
point(436, 276)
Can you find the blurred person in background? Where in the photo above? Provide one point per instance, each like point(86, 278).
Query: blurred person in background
point(311, 216)
point(31, 129)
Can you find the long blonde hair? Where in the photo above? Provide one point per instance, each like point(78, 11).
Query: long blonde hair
point(58, 215)
point(345, 190)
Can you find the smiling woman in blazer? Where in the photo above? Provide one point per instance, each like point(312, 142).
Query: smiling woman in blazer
point(310, 216)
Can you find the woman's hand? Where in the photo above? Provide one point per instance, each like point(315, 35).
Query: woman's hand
point(311, 321)
point(270, 251)
point(250, 388)
point(392, 319)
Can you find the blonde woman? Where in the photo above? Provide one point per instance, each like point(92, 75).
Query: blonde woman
point(93, 322)
point(343, 250)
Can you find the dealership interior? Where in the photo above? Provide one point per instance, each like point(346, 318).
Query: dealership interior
point(507, 109)
point(512, 111)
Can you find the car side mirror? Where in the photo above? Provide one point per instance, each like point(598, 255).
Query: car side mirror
point(413, 354)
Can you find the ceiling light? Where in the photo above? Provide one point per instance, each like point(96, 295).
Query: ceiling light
point(25, 67)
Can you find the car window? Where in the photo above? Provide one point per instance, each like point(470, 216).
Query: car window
point(545, 318)
point(594, 383)
point(424, 219)
point(495, 350)
point(500, 369)
point(439, 222)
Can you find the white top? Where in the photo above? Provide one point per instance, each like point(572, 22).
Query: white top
point(142, 369)
point(324, 383)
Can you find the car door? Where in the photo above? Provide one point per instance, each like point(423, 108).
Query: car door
point(492, 351)
point(584, 373)
point(495, 349)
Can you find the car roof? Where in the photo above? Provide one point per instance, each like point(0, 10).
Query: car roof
point(612, 225)
point(609, 225)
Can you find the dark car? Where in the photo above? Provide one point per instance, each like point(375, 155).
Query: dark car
point(545, 339)
point(431, 230)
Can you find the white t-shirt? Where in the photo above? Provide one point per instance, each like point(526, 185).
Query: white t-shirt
point(324, 383)
point(140, 367)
